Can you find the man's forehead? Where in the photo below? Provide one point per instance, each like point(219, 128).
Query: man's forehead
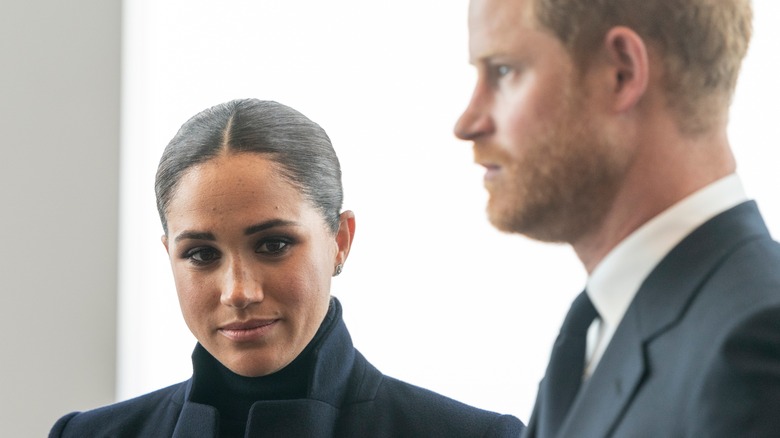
point(494, 24)
point(509, 10)
point(499, 17)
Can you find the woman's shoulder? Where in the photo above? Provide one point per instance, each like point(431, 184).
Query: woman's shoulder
point(392, 389)
point(398, 408)
point(126, 418)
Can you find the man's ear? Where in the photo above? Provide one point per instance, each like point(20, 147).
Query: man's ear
point(629, 67)
point(164, 239)
point(344, 236)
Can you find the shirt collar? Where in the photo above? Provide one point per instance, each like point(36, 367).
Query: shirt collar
point(616, 280)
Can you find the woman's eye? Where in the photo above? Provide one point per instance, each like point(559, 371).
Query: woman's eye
point(202, 256)
point(273, 246)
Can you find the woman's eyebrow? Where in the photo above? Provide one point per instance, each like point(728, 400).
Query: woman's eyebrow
point(195, 235)
point(205, 235)
point(268, 224)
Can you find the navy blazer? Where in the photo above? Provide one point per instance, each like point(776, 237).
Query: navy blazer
point(347, 397)
point(698, 351)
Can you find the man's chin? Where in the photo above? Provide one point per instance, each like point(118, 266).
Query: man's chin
point(514, 222)
point(502, 219)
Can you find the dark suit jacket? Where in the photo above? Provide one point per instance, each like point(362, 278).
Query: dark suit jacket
point(698, 351)
point(347, 397)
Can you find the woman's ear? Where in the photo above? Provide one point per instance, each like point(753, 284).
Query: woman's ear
point(627, 55)
point(344, 237)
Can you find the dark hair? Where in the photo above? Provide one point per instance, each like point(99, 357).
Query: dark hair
point(300, 148)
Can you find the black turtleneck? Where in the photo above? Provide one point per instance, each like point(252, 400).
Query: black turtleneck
point(233, 395)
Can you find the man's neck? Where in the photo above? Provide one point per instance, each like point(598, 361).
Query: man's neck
point(665, 171)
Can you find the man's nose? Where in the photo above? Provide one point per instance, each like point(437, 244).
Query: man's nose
point(475, 122)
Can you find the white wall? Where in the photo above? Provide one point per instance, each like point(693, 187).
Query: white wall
point(59, 120)
point(432, 294)
point(755, 121)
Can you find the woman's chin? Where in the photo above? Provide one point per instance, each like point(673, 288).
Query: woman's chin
point(257, 366)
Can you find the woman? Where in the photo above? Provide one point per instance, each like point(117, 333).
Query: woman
point(249, 195)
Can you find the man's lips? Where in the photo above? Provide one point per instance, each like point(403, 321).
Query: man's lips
point(491, 170)
point(242, 331)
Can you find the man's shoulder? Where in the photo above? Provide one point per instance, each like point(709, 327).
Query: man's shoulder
point(731, 262)
point(125, 418)
point(749, 274)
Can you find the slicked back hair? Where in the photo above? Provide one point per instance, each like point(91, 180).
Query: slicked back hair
point(299, 147)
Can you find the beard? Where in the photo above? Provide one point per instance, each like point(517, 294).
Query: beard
point(563, 182)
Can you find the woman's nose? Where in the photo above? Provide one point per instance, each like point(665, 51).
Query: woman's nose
point(241, 287)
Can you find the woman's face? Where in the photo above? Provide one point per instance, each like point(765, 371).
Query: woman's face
point(252, 261)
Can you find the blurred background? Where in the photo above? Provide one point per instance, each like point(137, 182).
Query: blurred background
point(92, 91)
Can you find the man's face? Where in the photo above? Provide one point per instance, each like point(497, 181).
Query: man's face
point(551, 170)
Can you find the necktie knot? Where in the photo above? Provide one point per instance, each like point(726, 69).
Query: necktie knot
point(580, 316)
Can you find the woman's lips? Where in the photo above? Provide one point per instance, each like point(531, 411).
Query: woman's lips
point(248, 330)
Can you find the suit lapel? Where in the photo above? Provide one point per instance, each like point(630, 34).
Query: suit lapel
point(660, 303)
point(609, 390)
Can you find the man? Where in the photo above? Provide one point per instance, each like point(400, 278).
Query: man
point(602, 124)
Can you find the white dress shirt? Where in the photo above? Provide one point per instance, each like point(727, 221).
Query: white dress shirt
point(616, 280)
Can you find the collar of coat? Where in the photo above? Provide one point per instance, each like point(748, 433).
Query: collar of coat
point(337, 380)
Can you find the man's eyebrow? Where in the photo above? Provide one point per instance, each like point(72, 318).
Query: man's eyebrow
point(482, 59)
point(194, 235)
point(268, 224)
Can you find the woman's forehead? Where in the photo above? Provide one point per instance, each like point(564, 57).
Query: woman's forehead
point(236, 191)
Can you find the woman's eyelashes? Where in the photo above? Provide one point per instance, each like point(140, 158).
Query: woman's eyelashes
point(202, 255)
point(267, 247)
point(274, 246)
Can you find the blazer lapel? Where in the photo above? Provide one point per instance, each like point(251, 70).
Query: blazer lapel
point(605, 394)
point(661, 301)
point(196, 420)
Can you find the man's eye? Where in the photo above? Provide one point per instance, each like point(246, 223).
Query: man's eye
point(273, 246)
point(503, 70)
point(202, 256)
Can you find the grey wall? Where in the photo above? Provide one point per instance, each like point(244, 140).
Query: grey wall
point(59, 131)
